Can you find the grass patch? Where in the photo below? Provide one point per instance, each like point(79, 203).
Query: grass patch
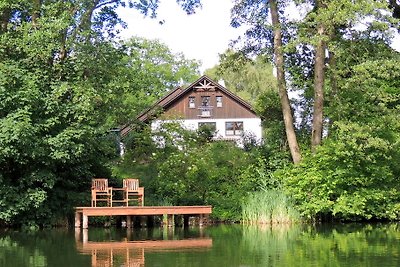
point(269, 207)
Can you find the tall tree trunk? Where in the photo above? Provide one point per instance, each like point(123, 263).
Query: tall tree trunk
point(286, 109)
point(319, 81)
point(86, 19)
point(5, 15)
point(395, 6)
point(63, 48)
point(333, 78)
point(36, 12)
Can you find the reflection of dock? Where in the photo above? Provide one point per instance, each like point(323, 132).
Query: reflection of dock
point(147, 244)
point(82, 213)
point(131, 253)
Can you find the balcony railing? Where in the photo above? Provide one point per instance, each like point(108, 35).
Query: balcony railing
point(205, 111)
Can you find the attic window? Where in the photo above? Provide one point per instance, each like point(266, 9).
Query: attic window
point(192, 102)
point(205, 101)
point(219, 101)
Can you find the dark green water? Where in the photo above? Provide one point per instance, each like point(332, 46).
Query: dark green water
point(226, 245)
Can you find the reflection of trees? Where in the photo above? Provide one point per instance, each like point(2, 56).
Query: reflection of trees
point(12, 252)
point(341, 245)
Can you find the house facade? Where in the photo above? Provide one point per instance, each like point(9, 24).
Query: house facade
point(206, 103)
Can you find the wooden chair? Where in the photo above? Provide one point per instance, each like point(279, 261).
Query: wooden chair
point(101, 192)
point(133, 192)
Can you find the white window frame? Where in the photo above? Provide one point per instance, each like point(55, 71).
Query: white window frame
point(237, 128)
point(218, 99)
point(192, 102)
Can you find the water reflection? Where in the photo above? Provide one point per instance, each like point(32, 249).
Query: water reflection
point(132, 253)
point(346, 245)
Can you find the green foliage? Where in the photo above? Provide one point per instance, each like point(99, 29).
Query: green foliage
point(253, 80)
point(208, 174)
point(246, 77)
point(185, 168)
point(61, 81)
point(355, 174)
point(269, 207)
point(150, 71)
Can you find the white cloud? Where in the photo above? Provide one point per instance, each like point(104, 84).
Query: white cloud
point(200, 36)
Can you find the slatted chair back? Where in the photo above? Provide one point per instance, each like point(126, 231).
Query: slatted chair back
point(101, 191)
point(133, 193)
point(100, 185)
point(131, 184)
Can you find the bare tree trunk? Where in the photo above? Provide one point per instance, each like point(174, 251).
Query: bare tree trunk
point(333, 77)
point(86, 19)
point(286, 109)
point(36, 12)
point(63, 48)
point(4, 19)
point(319, 81)
point(395, 6)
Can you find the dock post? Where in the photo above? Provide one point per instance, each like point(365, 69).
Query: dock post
point(201, 220)
point(85, 236)
point(170, 219)
point(78, 234)
point(85, 221)
point(128, 221)
point(77, 219)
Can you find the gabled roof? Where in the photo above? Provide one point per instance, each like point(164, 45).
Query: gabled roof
point(178, 92)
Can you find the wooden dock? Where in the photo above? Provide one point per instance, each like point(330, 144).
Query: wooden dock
point(82, 213)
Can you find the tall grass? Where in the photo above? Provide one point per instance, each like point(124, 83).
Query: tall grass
point(269, 207)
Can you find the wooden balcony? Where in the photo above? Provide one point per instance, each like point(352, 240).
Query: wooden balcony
point(205, 111)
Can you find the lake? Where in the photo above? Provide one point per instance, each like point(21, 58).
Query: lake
point(222, 245)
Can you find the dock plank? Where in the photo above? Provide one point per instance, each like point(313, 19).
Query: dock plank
point(82, 213)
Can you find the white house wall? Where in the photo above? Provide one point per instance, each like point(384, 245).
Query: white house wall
point(250, 126)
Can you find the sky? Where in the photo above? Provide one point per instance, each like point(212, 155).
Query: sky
point(201, 36)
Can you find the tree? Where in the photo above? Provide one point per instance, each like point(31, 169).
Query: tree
point(192, 171)
point(354, 175)
point(248, 78)
point(58, 75)
point(243, 12)
point(253, 80)
point(307, 42)
point(329, 20)
point(150, 71)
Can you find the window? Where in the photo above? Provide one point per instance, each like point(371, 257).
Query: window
point(205, 113)
point(205, 108)
point(234, 128)
point(192, 102)
point(219, 101)
point(205, 101)
point(211, 126)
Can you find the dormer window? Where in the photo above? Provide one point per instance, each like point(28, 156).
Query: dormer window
point(192, 102)
point(219, 101)
point(205, 107)
point(205, 101)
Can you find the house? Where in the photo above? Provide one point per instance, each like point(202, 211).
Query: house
point(205, 102)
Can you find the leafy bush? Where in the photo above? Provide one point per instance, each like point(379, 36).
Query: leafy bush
point(353, 176)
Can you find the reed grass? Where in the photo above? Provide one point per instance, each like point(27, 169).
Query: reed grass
point(269, 207)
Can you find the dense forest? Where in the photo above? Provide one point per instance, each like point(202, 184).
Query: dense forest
point(331, 152)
